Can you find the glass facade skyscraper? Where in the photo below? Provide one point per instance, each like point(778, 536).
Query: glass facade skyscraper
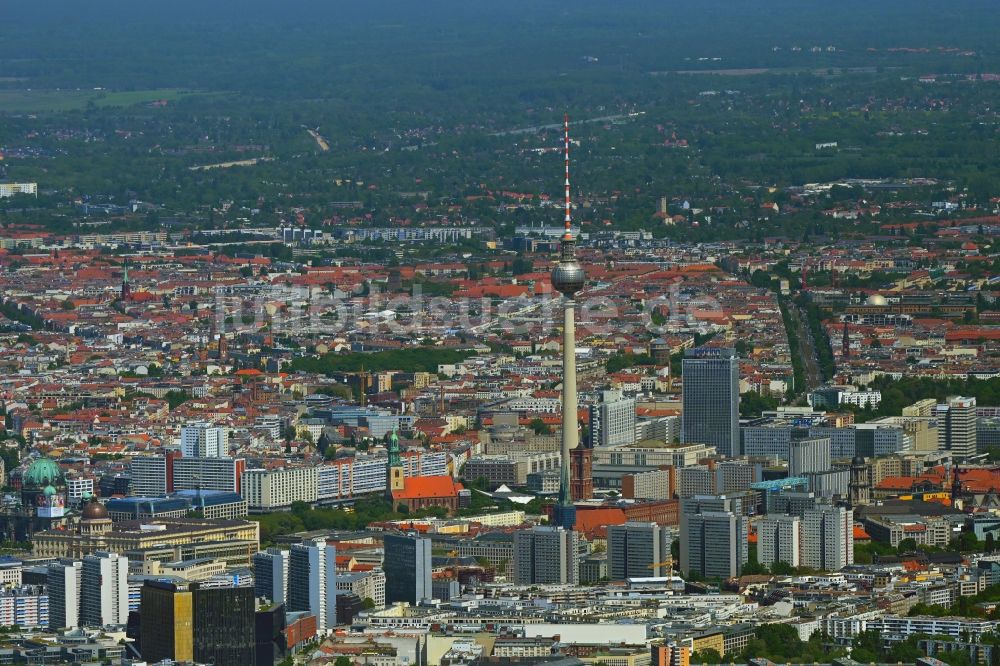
point(407, 568)
point(711, 399)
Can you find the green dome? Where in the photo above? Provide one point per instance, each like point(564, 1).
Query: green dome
point(43, 472)
point(49, 491)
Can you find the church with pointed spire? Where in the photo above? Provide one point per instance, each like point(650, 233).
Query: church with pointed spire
point(126, 291)
point(414, 493)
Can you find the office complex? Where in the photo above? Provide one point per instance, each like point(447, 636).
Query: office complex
point(204, 440)
point(186, 622)
point(779, 539)
point(828, 538)
point(638, 550)
point(407, 568)
point(104, 590)
point(711, 399)
point(612, 420)
point(270, 574)
point(224, 625)
point(312, 581)
point(546, 555)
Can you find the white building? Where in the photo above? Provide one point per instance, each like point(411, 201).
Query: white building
point(268, 490)
point(808, 456)
point(612, 420)
point(828, 538)
point(212, 473)
point(26, 606)
point(104, 590)
point(78, 487)
point(12, 189)
point(312, 581)
point(204, 440)
point(779, 540)
point(63, 582)
point(365, 584)
point(861, 399)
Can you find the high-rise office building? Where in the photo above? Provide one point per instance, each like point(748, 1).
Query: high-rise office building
point(779, 539)
point(828, 538)
point(312, 581)
point(546, 555)
point(166, 622)
point(270, 574)
point(612, 420)
point(204, 440)
point(711, 399)
point(186, 622)
point(713, 536)
point(957, 427)
point(407, 568)
point(104, 590)
point(64, 580)
point(808, 456)
point(638, 550)
point(224, 626)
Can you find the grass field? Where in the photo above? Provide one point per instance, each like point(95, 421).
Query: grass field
point(26, 101)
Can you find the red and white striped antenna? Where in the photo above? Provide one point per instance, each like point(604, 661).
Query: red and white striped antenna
point(569, 219)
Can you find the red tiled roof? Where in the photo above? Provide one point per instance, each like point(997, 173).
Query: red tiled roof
point(418, 487)
point(588, 520)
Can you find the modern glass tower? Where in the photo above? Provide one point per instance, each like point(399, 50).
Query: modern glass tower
point(568, 278)
point(711, 399)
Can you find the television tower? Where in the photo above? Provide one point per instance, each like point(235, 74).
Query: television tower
point(568, 278)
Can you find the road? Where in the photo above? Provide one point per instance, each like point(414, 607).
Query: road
point(807, 348)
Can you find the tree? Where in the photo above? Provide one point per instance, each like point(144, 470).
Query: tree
point(706, 656)
point(908, 545)
point(540, 427)
point(343, 661)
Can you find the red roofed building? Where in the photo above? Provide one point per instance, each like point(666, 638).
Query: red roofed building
point(420, 492)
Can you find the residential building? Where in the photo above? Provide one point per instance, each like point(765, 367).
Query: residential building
point(267, 490)
point(779, 539)
point(215, 473)
point(64, 581)
point(612, 420)
point(546, 555)
point(104, 590)
point(957, 427)
point(713, 536)
point(204, 440)
point(312, 581)
point(828, 538)
point(638, 550)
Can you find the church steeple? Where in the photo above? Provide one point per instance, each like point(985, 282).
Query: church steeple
point(396, 476)
point(126, 292)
